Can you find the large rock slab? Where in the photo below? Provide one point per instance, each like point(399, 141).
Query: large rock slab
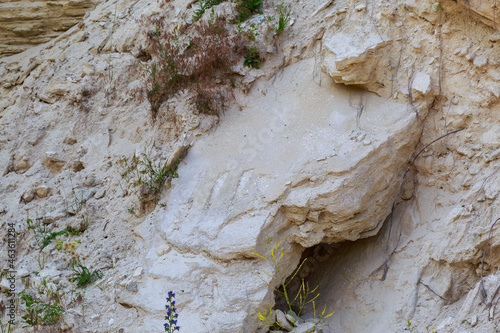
point(303, 162)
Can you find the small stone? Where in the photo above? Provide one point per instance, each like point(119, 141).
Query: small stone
point(178, 154)
point(493, 156)
point(52, 156)
point(292, 318)
point(100, 194)
point(111, 321)
point(162, 249)
point(421, 84)
point(480, 61)
point(473, 321)
point(90, 180)
point(28, 196)
point(306, 327)
point(366, 142)
point(125, 281)
point(21, 166)
point(21, 272)
point(4, 285)
point(132, 287)
point(35, 137)
point(69, 140)
point(42, 191)
point(360, 7)
point(282, 321)
point(77, 166)
point(53, 216)
point(7, 85)
point(137, 272)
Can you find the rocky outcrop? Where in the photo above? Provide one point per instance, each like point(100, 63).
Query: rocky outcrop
point(301, 170)
point(487, 11)
point(353, 59)
point(24, 24)
point(310, 150)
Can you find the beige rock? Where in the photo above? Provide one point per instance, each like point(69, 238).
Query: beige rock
point(77, 166)
point(28, 195)
point(233, 184)
point(24, 24)
point(100, 194)
point(353, 60)
point(282, 321)
point(299, 158)
point(306, 328)
point(42, 191)
point(486, 10)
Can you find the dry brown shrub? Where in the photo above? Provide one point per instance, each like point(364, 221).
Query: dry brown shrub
point(199, 59)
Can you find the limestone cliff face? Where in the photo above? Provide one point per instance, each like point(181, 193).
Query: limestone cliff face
point(27, 23)
point(311, 150)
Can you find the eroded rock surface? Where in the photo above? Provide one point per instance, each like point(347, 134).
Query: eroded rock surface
point(487, 10)
point(27, 23)
point(296, 157)
point(297, 164)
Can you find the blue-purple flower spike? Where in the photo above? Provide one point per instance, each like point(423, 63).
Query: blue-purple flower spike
point(171, 317)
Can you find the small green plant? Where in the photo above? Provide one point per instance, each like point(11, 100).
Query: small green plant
point(41, 260)
point(40, 231)
point(250, 32)
point(203, 5)
point(171, 317)
point(148, 175)
point(84, 223)
point(43, 238)
point(157, 174)
point(5, 328)
point(304, 296)
point(131, 210)
point(252, 59)
point(412, 328)
point(78, 205)
point(84, 277)
point(284, 18)
point(247, 8)
point(39, 313)
point(409, 326)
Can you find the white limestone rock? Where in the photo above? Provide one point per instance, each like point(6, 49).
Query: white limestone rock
point(353, 59)
point(263, 173)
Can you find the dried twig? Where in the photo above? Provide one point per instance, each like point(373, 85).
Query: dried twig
point(435, 293)
point(387, 256)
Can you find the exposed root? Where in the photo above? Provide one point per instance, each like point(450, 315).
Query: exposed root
point(387, 255)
